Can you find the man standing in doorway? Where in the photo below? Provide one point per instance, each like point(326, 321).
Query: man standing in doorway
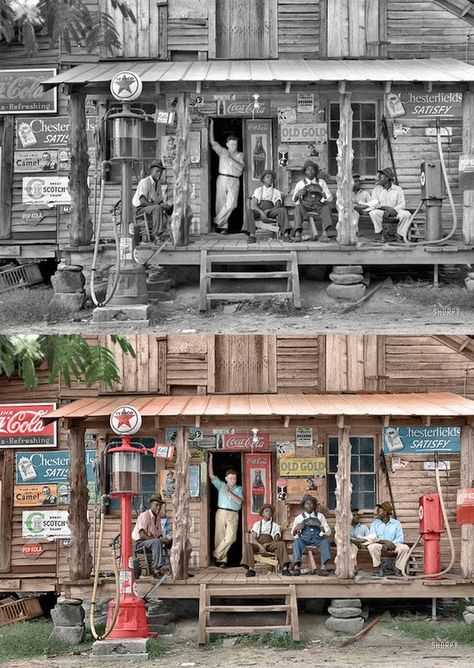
point(231, 166)
point(229, 503)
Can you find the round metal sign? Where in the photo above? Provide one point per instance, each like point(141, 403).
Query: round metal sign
point(125, 421)
point(126, 86)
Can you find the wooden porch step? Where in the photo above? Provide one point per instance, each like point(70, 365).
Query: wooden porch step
point(206, 608)
point(288, 258)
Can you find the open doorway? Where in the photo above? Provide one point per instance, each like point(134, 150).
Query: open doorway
point(223, 127)
point(222, 461)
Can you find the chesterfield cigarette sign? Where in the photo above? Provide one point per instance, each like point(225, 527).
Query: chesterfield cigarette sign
point(21, 425)
point(21, 93)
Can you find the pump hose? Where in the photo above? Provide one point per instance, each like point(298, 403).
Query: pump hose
point(108, 630)
point(96, 246)
point(451, 203)
point(448, 531)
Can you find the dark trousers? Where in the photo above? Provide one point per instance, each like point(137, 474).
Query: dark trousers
point(278, 213)
point(310, 536)
point(155, 546)
point(276, 547)
point(321, 210)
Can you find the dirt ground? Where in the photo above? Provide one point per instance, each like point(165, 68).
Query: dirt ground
point(395, 308)
point(383, 646)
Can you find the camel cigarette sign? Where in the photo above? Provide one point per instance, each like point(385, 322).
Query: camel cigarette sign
point(21, 425)
point(21, 92)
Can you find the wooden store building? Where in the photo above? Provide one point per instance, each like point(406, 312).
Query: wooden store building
point(288, 78)
point(300, 414)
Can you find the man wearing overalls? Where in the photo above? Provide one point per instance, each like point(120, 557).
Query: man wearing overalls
point(312, 195)
point(310, 529)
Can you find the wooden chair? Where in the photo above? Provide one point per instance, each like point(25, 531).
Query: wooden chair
point(269, 559)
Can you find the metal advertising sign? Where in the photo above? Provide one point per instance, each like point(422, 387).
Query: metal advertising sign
point(419, 105)
point(125, 421)
point(421, 440)
point(33, 215)
point(45, 524)
point(35, 161)
point(302, 466)
point(21, 426)
point(48, 132)
point(304, 437)
point(312, 132)
point(48, 467)
point(258, 488)
point(35, 495)
point(246, 442)
point(21, 93)
point(243, 108)
point(259, 149)
point(47, 190)
point(32, 550)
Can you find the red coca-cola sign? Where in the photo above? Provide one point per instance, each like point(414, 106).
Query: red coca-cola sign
point(32, 550)
point(21, 425)
point(246, 442)
point(21, 92)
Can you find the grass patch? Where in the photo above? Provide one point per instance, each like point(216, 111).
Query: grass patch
point(450, 632)
point(444, 297)
point(156, 648)
point(28, 640)
point(276, 639)
point(25, 306)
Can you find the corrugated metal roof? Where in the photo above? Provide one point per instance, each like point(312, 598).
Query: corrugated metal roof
point(441, 404)
point(437, 70)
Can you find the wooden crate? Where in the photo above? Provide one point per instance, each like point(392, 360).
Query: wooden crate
point(20, 611)
point(20, 277)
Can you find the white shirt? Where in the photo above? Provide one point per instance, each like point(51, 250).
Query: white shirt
point(393, 197)
point(306, 182)
point(150, 189)
point(271, 194)
point(361, 197)
point(226, 163)
point(304, 516)
point(266, 526)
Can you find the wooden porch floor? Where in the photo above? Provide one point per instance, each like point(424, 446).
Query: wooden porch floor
point(367, 252)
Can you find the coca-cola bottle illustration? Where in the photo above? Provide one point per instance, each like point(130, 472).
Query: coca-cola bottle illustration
point(258, 492)
point(259, 158)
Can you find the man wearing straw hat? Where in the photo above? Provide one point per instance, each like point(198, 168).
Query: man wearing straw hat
point(265, 536)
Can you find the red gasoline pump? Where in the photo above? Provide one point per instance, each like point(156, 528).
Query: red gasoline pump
point(131, 620)
point(431, 528)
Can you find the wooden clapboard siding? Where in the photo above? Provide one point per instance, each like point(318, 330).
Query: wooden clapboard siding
point(187, 362)
point(299, 28)
point(147, 38)
point(354, 28)
point(298, 363)
point(45, 564)
point(246, 28)
point(245, 363)
point(353, 363)
point(416, 29)
point(422, 364)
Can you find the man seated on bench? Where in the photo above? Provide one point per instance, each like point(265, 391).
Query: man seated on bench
point(388, 208)
point(312, 196)
point(310, 529)
point(265, 536)
point(359, 532)
point(148, 534)
point(360, 198)
point(385, 536)
point(267, 203)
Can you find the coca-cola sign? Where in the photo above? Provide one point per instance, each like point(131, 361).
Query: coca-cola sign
point(243, 108)
point(246, 442)
point(21, 425)
point(21, 92)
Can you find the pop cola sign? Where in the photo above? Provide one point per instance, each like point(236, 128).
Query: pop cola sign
point(246, 442)
point(21, 425)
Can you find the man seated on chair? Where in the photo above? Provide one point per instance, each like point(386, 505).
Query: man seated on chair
point(359, 532)
point(267, 203)
point(388, 208)
point(148, 198)
point(310, 528)
point(265, 536)
point(312, 196)
point(386, 535)
point(148, 533)
point(360, 198)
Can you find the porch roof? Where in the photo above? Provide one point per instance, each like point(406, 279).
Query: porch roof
point(435, 70)
point(440, 404)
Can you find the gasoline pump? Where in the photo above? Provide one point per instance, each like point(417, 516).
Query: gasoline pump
point(127, 281)
point(127, 613)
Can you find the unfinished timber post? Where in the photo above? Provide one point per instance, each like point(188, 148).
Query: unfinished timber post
point(345, 561)
point(80, 561)
point(467, 481)
point(347, 219)
point(468, 149)
point(179, 566)
point(80, 230)
point(179, 221)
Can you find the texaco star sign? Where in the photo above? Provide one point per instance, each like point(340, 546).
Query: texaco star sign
point(125, 420)
point(126, 86)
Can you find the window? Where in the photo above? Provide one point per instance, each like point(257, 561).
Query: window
point(148, 478)
point(364, 138)
point(363, 476)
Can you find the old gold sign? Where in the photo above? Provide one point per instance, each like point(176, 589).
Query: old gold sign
point(302, 466)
